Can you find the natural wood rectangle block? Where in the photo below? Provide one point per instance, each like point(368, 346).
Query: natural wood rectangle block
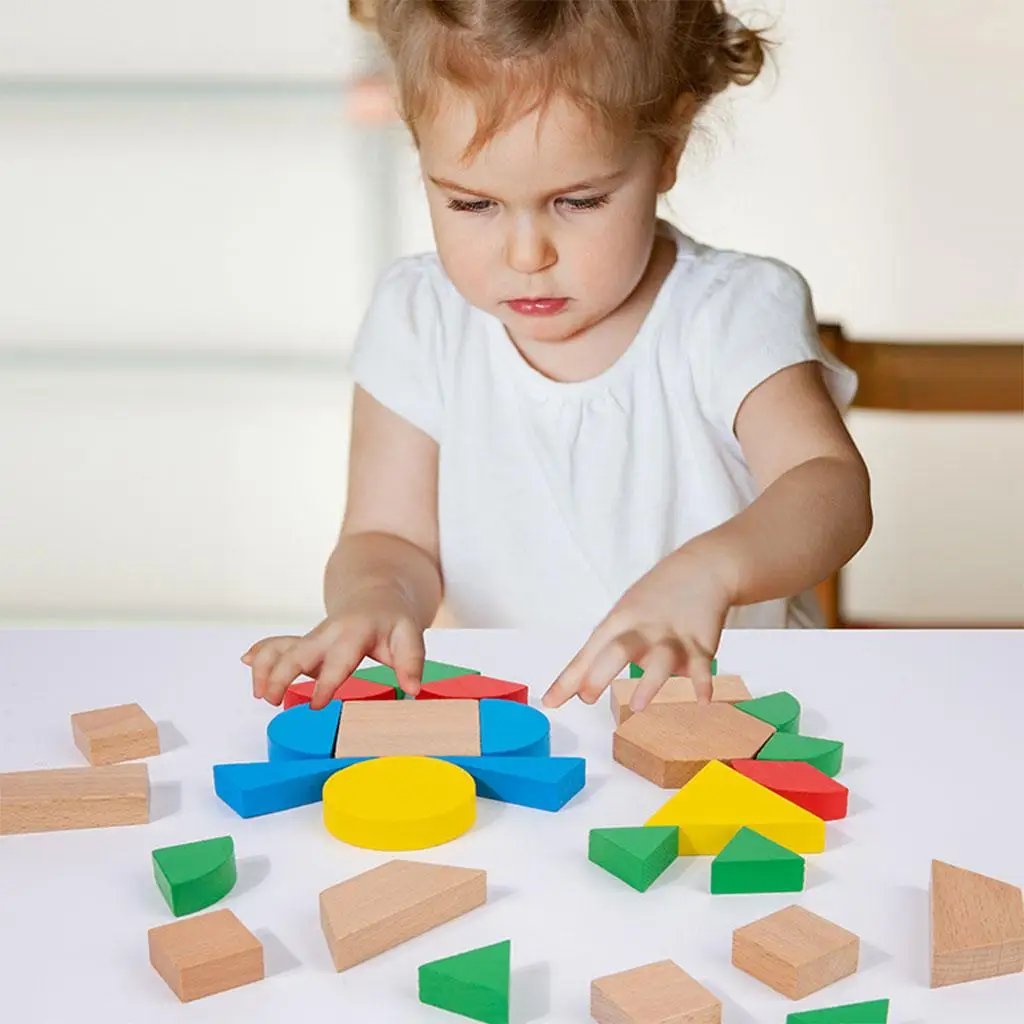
point(677, 690)
point(111, 735)
point(660, 993)
point(199, 956)
point(430, 728)
point(795, 952)
point(364, 916)
point(63, 798)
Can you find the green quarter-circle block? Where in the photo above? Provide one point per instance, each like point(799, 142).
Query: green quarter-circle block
point(825, 755)
point(636, 855)
point(752, 863)
point(474, 984)
point(779, 709)
point(194, 876)
point(432, 672)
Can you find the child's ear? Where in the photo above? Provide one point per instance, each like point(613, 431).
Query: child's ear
point(683, 113)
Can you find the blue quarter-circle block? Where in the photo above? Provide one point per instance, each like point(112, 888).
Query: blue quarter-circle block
point(263, 787)
point(545, 783)
point(301, 732)
point(509, 729)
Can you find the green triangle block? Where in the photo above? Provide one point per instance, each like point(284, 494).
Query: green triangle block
point(752, 863)
point(825, 755)
point(194, 876)
point(779, 709)
point(855, 1013)
point(635, 671)
point(637, 855)
point(432, 672)
point(473, 984)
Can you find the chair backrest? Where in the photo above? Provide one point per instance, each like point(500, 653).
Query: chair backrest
point(952, 377)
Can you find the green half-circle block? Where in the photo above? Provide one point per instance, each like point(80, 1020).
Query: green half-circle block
point(825, 755)
point(637, 855)
point(432, 672)
point(194, 876)
point(876, 1012)
point(779, 709)
point(474, 984)
point(753, 863)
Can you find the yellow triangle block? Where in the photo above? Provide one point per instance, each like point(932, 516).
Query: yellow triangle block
point(717, 802)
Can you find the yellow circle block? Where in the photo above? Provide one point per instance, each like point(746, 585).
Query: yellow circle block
point(399, 803)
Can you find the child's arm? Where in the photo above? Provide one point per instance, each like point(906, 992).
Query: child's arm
point(812, 514)
point(382, 584)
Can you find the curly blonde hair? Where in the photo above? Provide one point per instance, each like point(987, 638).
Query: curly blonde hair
point(631, 64)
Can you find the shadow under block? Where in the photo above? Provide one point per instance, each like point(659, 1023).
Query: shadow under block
point(977, 926)
point(399, 803)
point(475, 687)
point(795, 952)
point(352, 689)
point(432, 671)
point(677, 690)
point(388, 905)
point(876, 1012)
point(779, 709)
point(301, 732)
point(55, 799)
point(194, 876)
point(637, 856)
point(670, 743)
point(751, 863)
point(660, 993)
point(544, 783)
point(801, 783)
point(509, 729)
point(825, 755)
point(718, 802)
point(266, 787)
point(199, 956)
point(427, 728)
point(474, 984)
point(112, 735)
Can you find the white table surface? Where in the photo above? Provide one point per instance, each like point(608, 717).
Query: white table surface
point(932, 723)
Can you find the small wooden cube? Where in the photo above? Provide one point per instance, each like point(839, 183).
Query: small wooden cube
point(660, 993)
point(795, 952)
point(428, 728)
point(199, 956)
point(111, 735)
point(677, 690)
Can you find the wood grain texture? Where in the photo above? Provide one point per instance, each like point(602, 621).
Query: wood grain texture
point(56, 799)
point(659, 993)
point(795, 952)
point(388, 905)
point(977, 926)
point(430, 728)
point(677, 690)
point(112, 735)
point(670, 743)
point(199, 956)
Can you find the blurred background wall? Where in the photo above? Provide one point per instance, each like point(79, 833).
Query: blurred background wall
point(191, 220)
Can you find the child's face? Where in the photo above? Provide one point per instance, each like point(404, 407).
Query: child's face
point(545, 210)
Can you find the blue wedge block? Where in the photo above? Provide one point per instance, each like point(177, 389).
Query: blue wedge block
point(263, 787)
point(545, 783)
point(301, 732)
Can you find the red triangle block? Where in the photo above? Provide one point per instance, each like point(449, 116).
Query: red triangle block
point(801, 784)
point(352, 689)
point(475, 688)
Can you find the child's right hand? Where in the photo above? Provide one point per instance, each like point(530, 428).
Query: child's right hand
point(381, 627)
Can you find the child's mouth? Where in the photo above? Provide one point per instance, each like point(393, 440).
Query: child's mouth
point(537, 306)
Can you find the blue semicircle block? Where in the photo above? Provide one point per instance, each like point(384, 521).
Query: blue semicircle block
point(301, 732)
point(546, 783)
point(508, 729)
point(264, 787)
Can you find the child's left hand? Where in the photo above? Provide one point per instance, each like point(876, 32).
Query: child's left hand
point(669, 622)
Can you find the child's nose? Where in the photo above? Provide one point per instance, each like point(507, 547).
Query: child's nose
point(529, 249)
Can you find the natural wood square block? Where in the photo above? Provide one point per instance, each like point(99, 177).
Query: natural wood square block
point(670, 743)
point(199, 956)
point(110, 735)
point(660, 993)
point(677, 690)
point(795, 952)
point(430, 728)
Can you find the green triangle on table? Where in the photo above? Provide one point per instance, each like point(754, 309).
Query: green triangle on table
point(193, 876)
point(474, 984)
point(825, 755)
point(637, 855)
point(635, 671)
point(752, 863)
point(779, 709)
point(432, 672)
point(876, 1012)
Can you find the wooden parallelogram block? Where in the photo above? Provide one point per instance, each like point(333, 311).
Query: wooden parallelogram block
point(656, 993)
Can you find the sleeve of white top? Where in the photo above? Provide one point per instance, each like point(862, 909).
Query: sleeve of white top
point(757, 319)
point(396, 352)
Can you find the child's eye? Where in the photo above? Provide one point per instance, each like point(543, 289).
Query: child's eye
point(469, 206)
point(590, 203)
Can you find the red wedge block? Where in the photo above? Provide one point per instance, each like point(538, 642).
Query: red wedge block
point(352, 689)
point(801, 784)
point(475, 688)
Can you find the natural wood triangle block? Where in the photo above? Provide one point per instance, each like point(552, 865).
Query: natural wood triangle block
point(677, 690)
point(718, 802)
point(429, 728)
point(977, 926)
point(112, 735)
point(659, 993)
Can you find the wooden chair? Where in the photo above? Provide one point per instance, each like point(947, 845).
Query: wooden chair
point(920, 377)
